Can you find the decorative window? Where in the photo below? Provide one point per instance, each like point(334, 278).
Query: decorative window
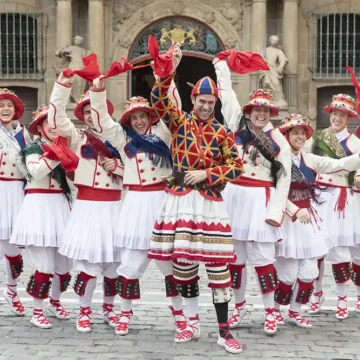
point(336, 45)
point(194, 37)
point(21, 46)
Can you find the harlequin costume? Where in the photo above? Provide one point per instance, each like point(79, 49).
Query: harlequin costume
point(40, 224)
point(340, 209)
point(90, 231)
point(146, 158)
point(263, 188)
point(193, 226)
point(297, 256)
point(11, 195)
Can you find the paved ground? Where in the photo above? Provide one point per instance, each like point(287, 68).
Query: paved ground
point(152, 331)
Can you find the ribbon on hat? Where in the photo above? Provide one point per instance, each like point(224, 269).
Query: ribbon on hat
point(243, 62)
point(60, 151)
point(163, 64)
point(357, 87)
point(90, 71)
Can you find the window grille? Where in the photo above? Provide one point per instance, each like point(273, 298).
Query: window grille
point(336, 45)
point(21, 55)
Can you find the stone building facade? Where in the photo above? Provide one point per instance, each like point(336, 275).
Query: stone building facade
point(319, 38)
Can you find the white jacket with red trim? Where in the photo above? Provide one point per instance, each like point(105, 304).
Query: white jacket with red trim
point(89, 172)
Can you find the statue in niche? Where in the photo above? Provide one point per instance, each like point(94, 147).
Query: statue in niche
point(272, 79)
point(73, 56)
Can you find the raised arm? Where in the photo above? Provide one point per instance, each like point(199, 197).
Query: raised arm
point(104, 124)
point(230, 107)
point(57, 117)
point(232, 167)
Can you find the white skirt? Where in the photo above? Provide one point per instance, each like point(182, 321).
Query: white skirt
point(138, 214)
point(304, 241)
point(90, 232)
point(41, 220)
point(11, 197)
point(344, 227)
point(247, 211)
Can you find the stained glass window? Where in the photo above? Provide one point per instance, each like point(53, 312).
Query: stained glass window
point(194, 37)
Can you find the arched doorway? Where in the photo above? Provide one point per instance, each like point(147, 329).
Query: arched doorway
point(199, 46)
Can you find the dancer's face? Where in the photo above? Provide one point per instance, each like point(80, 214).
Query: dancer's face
point(297, 138)
point(46, 131)
point(140, 122)
point(7, 110)
point(338, 120)
point(87, 116)
point(260, 116)
point(204, 105)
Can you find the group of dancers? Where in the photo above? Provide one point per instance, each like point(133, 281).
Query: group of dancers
point(181, 189)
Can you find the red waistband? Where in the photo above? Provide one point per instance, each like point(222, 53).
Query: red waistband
point(43, 191)
point(154, 187)
point(242, 181)
point(91, 194)
point(303, 204)
point(8, 179)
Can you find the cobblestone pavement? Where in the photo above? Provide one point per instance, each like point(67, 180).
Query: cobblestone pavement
point(152, 330)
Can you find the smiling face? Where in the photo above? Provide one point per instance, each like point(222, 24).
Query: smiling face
point(46, 131)
point(140, 122)
point(87, 116)
point(7, 110)
point(260, 116)
point(297, 138)
point(204, 105)
point(338, 120)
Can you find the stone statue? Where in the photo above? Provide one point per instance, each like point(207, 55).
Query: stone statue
point(73, 56)
point(272, 79)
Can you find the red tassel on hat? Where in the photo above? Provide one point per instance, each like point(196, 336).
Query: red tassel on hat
point(242, 62)
point(357, 87)
point(162, 63)
point(60, 151)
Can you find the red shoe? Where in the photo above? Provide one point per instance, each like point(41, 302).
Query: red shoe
point(279, 318)
point(39, 320)
point(316, 301)
point(238, 313)
point(83, 324)
point(12, 298)
point(122, 327)
point(57, 310)
point(296, 319)
point(110, 317)
point(180, 324)
point(192, 331)
point(342, 311)
point(270, 326)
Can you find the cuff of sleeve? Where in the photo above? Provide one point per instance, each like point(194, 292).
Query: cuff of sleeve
point(66, 86)
point(209, 181)
point(97, 91)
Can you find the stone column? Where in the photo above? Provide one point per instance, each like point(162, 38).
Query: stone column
point(290, 44)
point(258, 26)
point(96, 30)
point(63, 24)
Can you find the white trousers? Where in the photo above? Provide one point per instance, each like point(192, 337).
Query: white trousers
point(289, 270)
point(47, 260)
point(97, 269)
point(134, 263)
point(8, 249)
point(255, 253)
point(341, 254)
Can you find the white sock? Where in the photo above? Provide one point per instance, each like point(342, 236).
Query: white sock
point(239, 294)
point(192, 306)
point(109, 300)
point(341, 289)
point(318, 283)
point(277, 306)
point(55, 287)
point(38, 304)
point(86, 299)
point(125, 306)
point(176, 302)
point(295, 306)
